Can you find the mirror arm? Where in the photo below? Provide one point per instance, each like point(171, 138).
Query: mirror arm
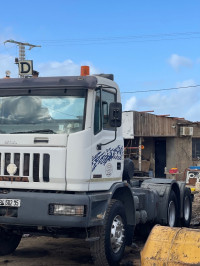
point(103, 144)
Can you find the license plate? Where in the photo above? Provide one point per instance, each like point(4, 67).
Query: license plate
point(10, 202)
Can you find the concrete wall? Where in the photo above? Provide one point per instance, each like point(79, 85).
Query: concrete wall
point(171, 153)
point(179, 155)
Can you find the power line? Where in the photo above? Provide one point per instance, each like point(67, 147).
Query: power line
point(118, 42)
point(178, 88)
point(122, 39)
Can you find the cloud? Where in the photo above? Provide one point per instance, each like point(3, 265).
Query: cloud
point(47, 69)
point(65, 68)
point(177, 61)
point(6, 52)
point(186, 83)
point(7, 63)
point(179, 103)
point(131, 104)
point(51, 68)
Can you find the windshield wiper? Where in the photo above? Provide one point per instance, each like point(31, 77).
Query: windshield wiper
point(47, 131)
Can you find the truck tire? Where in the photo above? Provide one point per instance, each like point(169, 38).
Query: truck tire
point(187, 208)
point(172, 210)
point(109, 248)
point(8, 242)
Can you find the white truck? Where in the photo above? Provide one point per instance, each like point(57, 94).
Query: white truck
point(62, 170)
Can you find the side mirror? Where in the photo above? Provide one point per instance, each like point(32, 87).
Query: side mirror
point(115, 114)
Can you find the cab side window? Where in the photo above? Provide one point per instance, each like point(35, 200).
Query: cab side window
point(101, 113)
point(107, 98)
point(97, 113)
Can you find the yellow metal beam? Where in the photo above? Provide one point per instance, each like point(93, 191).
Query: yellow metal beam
point(168, 246)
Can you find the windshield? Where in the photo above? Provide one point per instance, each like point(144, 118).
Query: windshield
point(42, 114)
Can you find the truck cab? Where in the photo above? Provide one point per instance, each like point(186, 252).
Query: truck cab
point(50, 129)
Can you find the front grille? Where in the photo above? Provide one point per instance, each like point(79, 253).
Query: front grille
point(35, 166)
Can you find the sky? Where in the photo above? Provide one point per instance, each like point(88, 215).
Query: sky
point(151, 47)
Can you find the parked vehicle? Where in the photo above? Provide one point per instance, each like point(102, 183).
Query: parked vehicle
point(63, 171)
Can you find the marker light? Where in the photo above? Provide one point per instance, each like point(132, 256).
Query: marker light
point(85, 70)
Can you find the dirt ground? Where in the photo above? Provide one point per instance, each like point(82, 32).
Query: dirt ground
point(45, 251)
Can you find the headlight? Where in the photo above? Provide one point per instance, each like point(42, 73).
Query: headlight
point(69, 210)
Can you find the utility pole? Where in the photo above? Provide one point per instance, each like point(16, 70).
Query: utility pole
point(22, 55)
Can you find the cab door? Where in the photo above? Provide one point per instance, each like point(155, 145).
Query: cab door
point(106, 157)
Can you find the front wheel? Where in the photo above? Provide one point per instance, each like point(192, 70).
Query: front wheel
point(172, 210)
point(8, 242)
point(109, 249)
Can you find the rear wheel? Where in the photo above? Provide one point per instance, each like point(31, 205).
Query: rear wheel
point(109, 249)
point(187, 208)
point(172, 210)
point(8, 242)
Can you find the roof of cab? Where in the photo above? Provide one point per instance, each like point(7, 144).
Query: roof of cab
point(49, 82)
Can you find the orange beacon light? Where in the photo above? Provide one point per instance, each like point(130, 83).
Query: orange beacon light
point(85, 70)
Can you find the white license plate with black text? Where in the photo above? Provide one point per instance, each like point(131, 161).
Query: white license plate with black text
point(10, 202)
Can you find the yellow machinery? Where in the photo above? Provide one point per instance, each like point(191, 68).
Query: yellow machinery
point(169, 246)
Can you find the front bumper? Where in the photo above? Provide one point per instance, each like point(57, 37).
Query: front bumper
point(34, 209)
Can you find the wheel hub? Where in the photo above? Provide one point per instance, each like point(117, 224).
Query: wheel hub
point(117, 234)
